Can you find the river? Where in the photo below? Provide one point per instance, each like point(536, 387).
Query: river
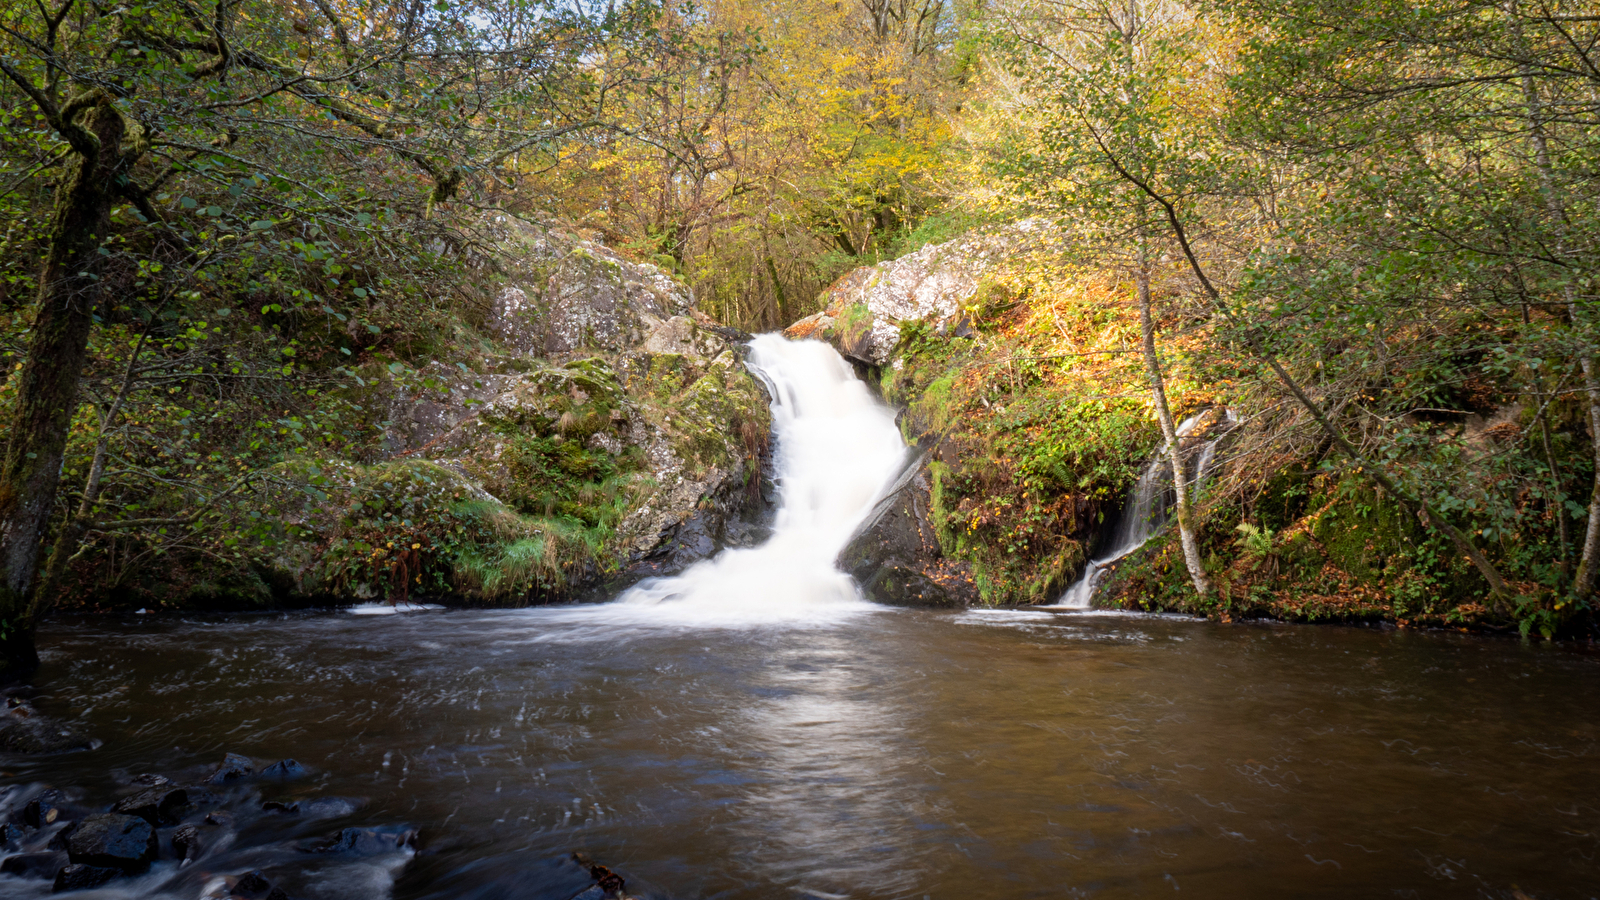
point(896, 754)
point(753, 729)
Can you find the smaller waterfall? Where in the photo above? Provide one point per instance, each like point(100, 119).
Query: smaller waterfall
point(1144, 513)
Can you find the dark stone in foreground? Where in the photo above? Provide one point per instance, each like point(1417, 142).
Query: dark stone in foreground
point(26, 731)
point(126, 843)
point(365, 842)
point(43, 810)
point(34, 865)
point(80, 877)
point(233, 768)
point(158, 805)
point(12, 834)
point(251, 885)
point(608, 885)
point(895, 556)
point(186, 843)
point(284, 769)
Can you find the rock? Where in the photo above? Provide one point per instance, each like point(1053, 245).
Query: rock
point(327, 807)
point(34, 865)
point(233, 768)
point(251, 885)
point(866, 308)
point(44, 809)
point(315, 808)
point(12, 834)
point(365, 842)
point(24, 730)
point(608, 885)
point(126, 843)
point(283, 770)
point(277, 894)
point(82, 877)
point(566, 295)
point(150, 779)
point(160, 805)
point(186, 844)
point(895, 555)
point(220, 817)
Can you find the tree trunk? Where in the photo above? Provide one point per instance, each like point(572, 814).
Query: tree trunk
point(1169, 429)
point(1589, 562)
point(47, 391)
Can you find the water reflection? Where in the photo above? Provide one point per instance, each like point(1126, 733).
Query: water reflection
point(833, 785)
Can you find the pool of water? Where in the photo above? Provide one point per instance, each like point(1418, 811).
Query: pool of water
point(891, 754)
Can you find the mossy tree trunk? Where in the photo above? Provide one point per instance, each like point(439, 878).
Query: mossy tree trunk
point(47, 387)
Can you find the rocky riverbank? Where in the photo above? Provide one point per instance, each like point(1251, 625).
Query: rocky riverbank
point(1018, 375)
point(230, 830)
point(589, 429)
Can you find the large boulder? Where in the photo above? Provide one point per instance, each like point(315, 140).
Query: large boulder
point(606, 403)
point(895, 555)
point(112, 840)
point(866, 309)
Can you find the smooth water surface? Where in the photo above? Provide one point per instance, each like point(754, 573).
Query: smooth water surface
point(895, 754)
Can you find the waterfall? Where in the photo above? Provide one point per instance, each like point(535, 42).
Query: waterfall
point(837, 449)
point(1144, 513)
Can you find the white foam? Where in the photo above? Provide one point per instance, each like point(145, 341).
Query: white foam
point(837, 450)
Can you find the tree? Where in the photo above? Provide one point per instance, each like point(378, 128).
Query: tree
point(284, 113)
point(1108, 78)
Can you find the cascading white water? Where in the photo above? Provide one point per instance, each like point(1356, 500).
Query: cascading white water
point(1142, 516)
point(837, 449)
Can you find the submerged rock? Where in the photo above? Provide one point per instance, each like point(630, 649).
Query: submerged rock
point(283, 770)
point(250, 885)
point(44, 810)
point(24, 730)
point(161, 805)
point(895, 555)
point(34, 865)
point(233, 768)
point(365, 842)
point(125, 843)
point(82, 877)
point(186, 843)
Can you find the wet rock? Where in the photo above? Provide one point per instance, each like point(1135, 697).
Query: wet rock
point(24, 730)
point(12, 834)
point(202, 796)
point(327, 807)
point(895, 555)
point(365, 842)
point(315, 808)
point(251, 885)
point(126, 843)
point(284, 770)
point(220, 817)
point(34, 865)
point(44, 810)
point(186, 844)
point(161, 805)
point(82, 877)
point(608, 885)
point(233, 768)
point(150, 779)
